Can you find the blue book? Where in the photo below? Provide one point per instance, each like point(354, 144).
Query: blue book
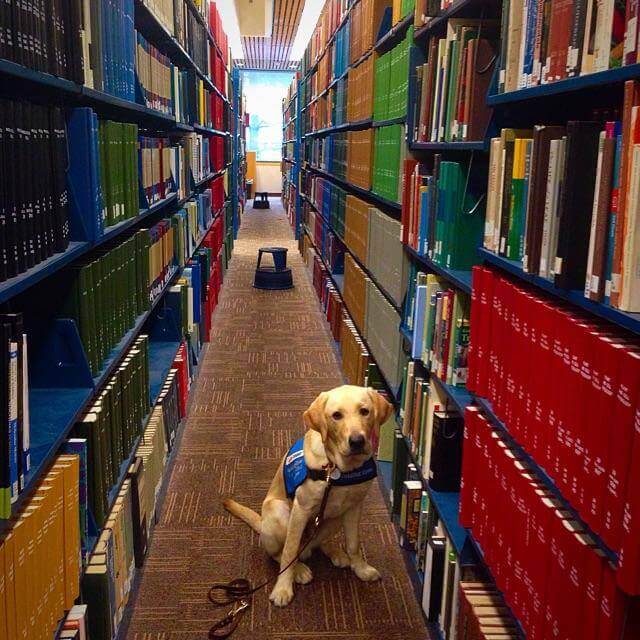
point(194, 280)
point(106, 8)
point(131, 51)
point(613, 214)
point(78, 447)
point(530, 34)
point(81, 180)
point(96, 186)
point(419, 314)
point(14, 390)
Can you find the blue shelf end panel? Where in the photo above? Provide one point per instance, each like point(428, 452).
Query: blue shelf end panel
point(161, 357)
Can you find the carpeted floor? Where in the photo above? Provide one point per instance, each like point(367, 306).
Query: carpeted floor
point(269, 356)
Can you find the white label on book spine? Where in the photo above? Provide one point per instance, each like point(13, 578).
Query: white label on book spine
point(615, 283)
point(630, 36)
point(557, 268)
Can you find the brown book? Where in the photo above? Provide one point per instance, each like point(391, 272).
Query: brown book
point(484, 58)
point(594, 281)
point(427, 93)
point(542, 136)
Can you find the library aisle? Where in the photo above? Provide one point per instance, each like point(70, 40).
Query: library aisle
point(270, 355)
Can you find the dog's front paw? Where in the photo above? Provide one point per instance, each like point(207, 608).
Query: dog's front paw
point(366, 572)
point(302, 574)
point(282, 594)
point(338, 557)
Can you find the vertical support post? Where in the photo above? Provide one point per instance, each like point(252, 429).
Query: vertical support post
point(235, 150)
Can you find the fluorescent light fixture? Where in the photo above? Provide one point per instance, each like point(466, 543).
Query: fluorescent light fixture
point(229, 18)
point(308, 21)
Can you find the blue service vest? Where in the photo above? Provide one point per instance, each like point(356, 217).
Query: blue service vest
point(295, 470)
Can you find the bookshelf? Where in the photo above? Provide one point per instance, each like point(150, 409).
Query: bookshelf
point(291, 133)
point(180, 186)
point(328, 133)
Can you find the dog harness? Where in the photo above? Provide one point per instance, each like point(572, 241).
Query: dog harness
point(296, 471)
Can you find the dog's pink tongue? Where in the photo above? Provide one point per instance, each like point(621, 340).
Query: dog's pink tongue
point(374, 443)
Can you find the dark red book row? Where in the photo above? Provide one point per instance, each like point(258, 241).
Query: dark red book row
point(554, 577)
point(567, 387)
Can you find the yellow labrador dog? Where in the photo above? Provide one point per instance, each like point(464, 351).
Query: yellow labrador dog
point(343, 426)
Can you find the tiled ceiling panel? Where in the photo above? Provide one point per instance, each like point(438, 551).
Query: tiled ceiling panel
point(273, 53)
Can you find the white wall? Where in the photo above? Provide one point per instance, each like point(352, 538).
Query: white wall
point(268, 177)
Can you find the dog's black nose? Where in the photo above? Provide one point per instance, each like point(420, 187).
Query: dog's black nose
point(356, 443)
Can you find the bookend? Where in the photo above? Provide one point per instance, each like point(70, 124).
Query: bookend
point(139, 93)
point(164, 323)
point(79, 229)
point(62, 361)
point(385, 24)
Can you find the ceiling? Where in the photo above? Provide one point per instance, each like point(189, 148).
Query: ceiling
point(273, 53)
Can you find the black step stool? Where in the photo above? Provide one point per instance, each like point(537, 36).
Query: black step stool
point(274, 278)
point(261, 200)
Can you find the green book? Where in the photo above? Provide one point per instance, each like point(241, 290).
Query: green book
point(517, 210)
point(398, 471)
point(97, 593)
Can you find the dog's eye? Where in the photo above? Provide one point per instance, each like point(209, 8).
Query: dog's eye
point(364, 411)
point(336, 415)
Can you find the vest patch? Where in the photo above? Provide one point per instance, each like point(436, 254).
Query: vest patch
point(295, 470)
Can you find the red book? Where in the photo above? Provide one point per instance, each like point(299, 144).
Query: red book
point(469, 457)
point(628, 574)
point(540, 513)
point(578, 545)
point(409, 166)
point(541, 332)
point(556, 577)
point(594, 562)
point(621, 434)
point(488, 312)
point(601, 406)
point(613, 606)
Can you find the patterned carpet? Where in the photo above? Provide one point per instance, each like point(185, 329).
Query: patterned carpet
point(270, 355)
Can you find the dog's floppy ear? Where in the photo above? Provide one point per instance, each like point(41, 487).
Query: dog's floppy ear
point(314, 416)
point(382, 406)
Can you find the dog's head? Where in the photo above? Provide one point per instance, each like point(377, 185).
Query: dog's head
point(348, 418)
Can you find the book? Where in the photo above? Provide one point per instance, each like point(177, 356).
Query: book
point(454, 83)
point(446, 453)
point(44, 532)
point(444, 221)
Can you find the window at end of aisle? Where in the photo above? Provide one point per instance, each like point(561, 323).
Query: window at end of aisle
point(264, 91)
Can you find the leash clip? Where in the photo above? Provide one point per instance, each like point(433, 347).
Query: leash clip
point(238, 607)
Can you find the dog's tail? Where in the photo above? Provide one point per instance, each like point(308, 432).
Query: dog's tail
point(244, 513)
